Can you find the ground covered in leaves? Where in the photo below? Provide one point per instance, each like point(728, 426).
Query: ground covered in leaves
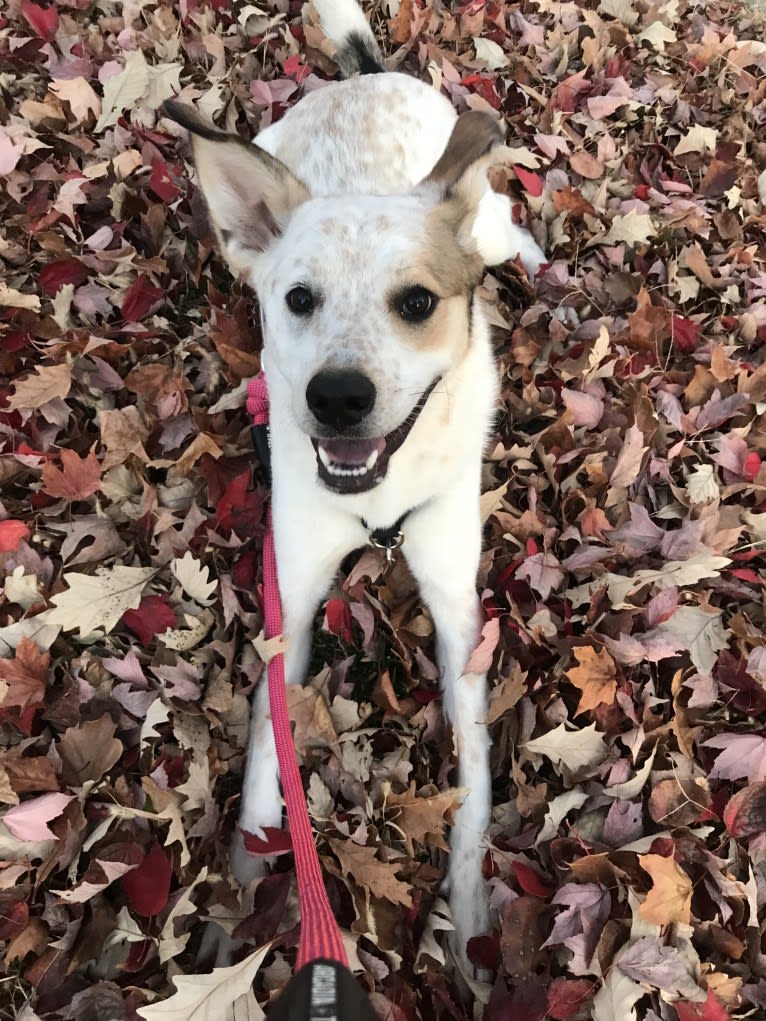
point(625, 513)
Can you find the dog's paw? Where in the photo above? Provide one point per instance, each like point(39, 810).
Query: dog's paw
point(245, 866)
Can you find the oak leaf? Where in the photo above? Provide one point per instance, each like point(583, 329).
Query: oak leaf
point(421, 819)
point(574, 749)
point(363, 866)
point(225, 994)
point(95, 603)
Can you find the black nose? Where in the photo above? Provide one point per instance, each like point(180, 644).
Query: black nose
point(340, 399)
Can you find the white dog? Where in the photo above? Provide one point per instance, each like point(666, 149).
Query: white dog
point(364, 220)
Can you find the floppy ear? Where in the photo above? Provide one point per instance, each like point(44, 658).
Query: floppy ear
point(480, 217)
point(250, 194)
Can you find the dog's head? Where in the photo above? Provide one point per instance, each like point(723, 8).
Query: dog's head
point(366, 300)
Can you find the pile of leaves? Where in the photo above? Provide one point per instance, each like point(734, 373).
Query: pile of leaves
point(625, 510)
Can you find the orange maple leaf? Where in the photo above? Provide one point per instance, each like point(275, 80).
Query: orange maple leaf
point(670, 898)
point(595, 676)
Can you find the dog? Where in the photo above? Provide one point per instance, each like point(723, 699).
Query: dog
point(364, 220)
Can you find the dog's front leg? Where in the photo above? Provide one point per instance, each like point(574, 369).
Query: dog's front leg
point(442, 545)
point(308, 554)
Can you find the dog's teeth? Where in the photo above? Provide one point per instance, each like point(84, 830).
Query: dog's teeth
point(334, 469)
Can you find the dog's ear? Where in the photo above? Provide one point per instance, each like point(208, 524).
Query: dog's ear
point(473, 136)
point(480, 218)
point(250, 195)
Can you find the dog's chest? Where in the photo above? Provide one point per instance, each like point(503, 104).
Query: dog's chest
point(376, 135)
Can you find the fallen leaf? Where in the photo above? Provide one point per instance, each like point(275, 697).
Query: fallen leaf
point(95, 603)
point(89, 750)
point(574, 749)
point(77, 479)
point(595, 676)
point(670, 898)
point(225, 994)
point(28, 821)
point(364, 867)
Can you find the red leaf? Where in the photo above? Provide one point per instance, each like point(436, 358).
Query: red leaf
point(294, 69)
point(745, 814)
point(566, 996)
point(161, 182)
point(339, 619)
point(43, 20)
point(277, 841)
point(711, 1010)
point(685, 334)
point(153, 617)
point(240, 509)
point(484, 86)
point(244, 570)
point(14, 914)
point(56, 274)
point(530, 881)
point(139, 298)
point(531, 182)
point(747, 574)
point(148, 887)
point(751, 466)
point(11, 534)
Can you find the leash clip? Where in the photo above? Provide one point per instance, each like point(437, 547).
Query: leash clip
point(389, 542)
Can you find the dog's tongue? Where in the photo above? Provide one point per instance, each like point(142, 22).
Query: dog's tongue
point(352, 452)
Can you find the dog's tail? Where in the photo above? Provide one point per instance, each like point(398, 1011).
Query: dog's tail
point(344, 24)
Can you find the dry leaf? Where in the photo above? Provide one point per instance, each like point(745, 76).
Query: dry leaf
point(670, 898)
point(224, 995)
point(95, 603)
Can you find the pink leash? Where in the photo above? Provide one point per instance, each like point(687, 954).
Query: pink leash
point(320, 935)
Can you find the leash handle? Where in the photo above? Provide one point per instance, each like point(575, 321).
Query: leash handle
point(320, 936)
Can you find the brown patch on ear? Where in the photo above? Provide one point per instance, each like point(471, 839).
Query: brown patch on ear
point(453, 267)
point(249, 193)
point(473, 135)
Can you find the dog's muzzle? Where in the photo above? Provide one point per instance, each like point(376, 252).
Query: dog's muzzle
point(348, 465)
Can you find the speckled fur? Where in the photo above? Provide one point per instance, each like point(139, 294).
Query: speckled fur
point(353, 215)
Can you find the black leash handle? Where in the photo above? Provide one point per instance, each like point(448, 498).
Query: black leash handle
point(322, 991)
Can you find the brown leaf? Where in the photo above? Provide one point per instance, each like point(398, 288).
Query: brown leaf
point(25, 675)
point(670, 898)
point(41, 386)
point(88, 750)
point(313, 723)
point(364, 867)
point(523, 936)
point(421, 819)
point(78, 478)
point(586, 165)
point(203, 443)
point(678, 802)
point(401, 26)
point(123, 433)
point(28, 773)
point(595, 676)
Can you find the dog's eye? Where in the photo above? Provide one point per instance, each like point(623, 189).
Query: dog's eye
point(416, 304)
point(300, 300)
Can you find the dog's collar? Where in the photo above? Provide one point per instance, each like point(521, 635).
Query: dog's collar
point(388, 539)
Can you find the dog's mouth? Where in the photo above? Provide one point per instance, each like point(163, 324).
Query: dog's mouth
point(354, 466)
